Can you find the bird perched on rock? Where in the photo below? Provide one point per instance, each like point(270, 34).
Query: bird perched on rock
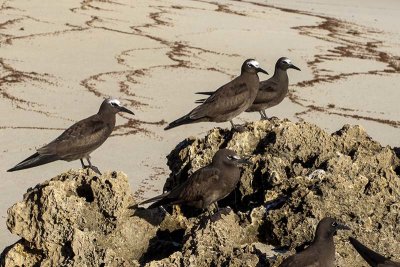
point(229, 100)
point(79, 140)
point(374, 259)
point(321, 253)
point(206, 185)
point(272, 91)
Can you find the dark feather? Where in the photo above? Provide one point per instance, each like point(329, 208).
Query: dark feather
point(205, 93)
point(154, 199)
point(33, 161)
point(374, 259)
point(182, 120)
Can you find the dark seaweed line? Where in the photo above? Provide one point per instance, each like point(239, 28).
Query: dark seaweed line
point(176, 51)
point(346, 48)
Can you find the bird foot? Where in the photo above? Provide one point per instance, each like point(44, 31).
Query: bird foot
point(217, 215)
point(96, 170)
point(239, 128)
point(93, 168)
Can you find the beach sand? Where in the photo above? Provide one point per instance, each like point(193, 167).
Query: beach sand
point(60, 59)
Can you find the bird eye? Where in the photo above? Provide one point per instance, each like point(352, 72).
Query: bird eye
point(113, 104)
point(233, 157)
point(334, 224)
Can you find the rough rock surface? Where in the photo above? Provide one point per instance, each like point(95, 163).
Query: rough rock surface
point(299, 174)
point(77, 219)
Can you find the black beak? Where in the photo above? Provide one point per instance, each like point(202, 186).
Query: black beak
point(123, 109)
point(294, 67)
point(244, 162)
point(341, 226)
point(261, 70)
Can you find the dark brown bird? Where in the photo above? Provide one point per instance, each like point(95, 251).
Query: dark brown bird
point(321, 253)
point(79, 140)
point(229, 100)
point(374, 259)
point(206, 185)
point(272, 91)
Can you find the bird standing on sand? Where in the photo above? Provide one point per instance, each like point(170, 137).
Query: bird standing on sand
point(274, 90)
point(206, 185)
point(321, 253)
point(229, 100)
point(374, 259)
point(79, 140)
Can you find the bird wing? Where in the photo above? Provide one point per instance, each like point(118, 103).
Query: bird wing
point(81, 138)
point(373, 258)
point(389, 263)
point(268, 90)
point(191, 190)
point(294, 262)
point(227, 98)
point(199, 184)
point(310, 257)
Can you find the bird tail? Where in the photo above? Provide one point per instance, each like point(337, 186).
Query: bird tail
point(158, 201)
point(370, 256)
point(154, 198)
point(205, 93)
point(200, 101)
point(183, 120)
point(33, 161)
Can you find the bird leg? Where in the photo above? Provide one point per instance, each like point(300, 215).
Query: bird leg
point(216, 208)
point(237, 128)
point(209, 214)
point(83, 164)
point(216, 215)
point(94, 168)
point(263, 115)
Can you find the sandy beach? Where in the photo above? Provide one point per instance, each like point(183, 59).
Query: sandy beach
point(60, 59)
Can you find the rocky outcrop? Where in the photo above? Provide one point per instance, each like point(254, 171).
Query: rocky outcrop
point(300, 173)
point(77, 219)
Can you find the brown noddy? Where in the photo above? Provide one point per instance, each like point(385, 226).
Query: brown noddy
point(321, 253)
point(229, 100)
point(207, 185)
point(373, 258)
point(79, 140)
point(272, 91)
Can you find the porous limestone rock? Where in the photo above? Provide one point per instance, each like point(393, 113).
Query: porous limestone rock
point(76, 219)
point(299, 174)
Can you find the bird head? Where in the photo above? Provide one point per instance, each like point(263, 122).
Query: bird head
point(284, 63)
point(113, 105)
point(252, 66)
point(328, 227)
point(229, 157)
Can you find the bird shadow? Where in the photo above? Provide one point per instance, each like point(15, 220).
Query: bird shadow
point(152, 216)
point(163, 245)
